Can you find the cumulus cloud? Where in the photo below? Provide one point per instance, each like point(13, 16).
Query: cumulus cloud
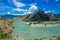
point(33, 7)
point(18, 9)
point(30, 10)
point(18, 4)
point(25, 11)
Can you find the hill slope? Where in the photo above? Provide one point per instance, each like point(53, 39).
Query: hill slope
point(37, 16)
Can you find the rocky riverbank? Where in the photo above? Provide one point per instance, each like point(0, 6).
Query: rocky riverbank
point(6, 29)
point(31, 24)
point(44, 25)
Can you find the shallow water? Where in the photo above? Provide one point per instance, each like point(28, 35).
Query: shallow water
point(23, 30)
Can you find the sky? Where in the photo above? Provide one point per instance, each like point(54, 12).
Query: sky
point(23, 7)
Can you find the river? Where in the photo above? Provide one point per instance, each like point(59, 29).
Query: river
point(23, 30)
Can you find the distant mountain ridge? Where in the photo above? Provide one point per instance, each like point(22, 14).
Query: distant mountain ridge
point(36, 16)
point(54, 16)
point(40, 15)
point(9, 16)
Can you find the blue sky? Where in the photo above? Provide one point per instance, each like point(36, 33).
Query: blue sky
point(23, 7)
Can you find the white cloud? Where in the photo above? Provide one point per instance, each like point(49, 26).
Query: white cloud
point(17, 14)
point(18, 9)
point(50, 11)
point(30, 10)
point(8, 13)
point(47, 11)
point(33, 8)
point(18, 4)
point(25, 11)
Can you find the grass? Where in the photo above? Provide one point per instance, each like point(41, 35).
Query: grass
point(45, 22)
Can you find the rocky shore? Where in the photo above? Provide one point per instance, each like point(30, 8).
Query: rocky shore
point(44, 25)
point(6, 29)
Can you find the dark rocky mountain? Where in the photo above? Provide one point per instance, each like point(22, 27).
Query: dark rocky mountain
point(37, 16)
point(54, 16)
point(40, 15)
point(9, 16)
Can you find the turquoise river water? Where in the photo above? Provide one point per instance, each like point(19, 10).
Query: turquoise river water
point(23, 30)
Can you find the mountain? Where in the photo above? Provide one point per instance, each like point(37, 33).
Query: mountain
point(40, 15)
point(9, 16)
point(54, 16)
point(36, 16)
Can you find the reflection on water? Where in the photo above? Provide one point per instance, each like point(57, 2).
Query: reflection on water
point(23, 30)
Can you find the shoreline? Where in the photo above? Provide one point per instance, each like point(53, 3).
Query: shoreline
point(42, 25)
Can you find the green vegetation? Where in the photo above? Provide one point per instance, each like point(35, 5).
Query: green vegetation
point(53, 38)
point(5, 29)
point(45, 22)
point(5, 36)
point(58, 38)
point(35, 39)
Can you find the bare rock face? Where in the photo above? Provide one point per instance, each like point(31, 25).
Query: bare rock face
point(38, 15)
